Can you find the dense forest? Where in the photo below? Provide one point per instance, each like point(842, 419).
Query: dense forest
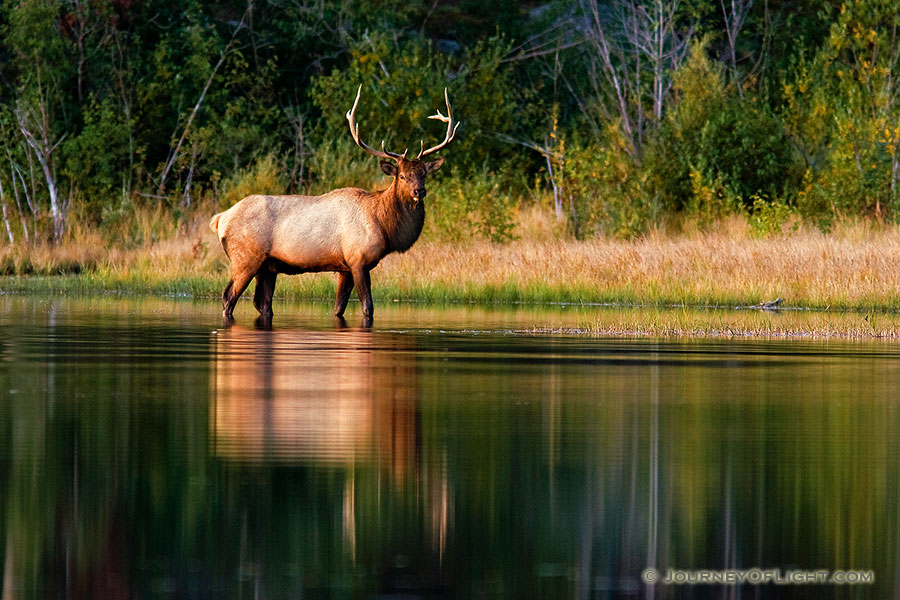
point(615, 116)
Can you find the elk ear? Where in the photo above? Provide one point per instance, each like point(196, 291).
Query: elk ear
point(431, 167)
point(389, 168)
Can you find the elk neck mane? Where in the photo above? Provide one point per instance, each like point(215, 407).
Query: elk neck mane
point(400, 217)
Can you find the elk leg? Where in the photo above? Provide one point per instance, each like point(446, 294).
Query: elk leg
point(233, 291)
point(265, 289)
point(363, 285)
point(344, 287)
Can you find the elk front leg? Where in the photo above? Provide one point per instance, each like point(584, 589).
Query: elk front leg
point(363, 289)
point(344, 287)
point(265, 289)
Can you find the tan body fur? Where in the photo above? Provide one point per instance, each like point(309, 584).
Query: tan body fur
point(348, 231)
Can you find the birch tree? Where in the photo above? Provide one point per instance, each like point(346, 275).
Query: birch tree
point(41, 56)
point(633, 48)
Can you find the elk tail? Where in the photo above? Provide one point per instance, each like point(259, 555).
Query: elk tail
point(214, 222)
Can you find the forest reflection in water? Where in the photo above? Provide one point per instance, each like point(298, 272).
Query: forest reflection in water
point(150, 452)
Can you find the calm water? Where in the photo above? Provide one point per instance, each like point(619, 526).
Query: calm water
point(148, 452)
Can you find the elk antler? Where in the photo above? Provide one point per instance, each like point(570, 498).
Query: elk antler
point(354, 131)
point(451, 129)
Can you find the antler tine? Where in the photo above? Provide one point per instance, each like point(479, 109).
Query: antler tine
point(393, 154)
point(354, 131)
point(451, 128)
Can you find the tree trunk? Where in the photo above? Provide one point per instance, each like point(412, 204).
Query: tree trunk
point(9, 232)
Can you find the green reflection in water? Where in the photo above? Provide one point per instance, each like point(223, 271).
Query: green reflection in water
point(149, 452)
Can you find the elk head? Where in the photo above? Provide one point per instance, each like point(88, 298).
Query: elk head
point(409, 174)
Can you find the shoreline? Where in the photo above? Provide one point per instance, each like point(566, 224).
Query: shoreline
point(842, 284)
point(598, 320)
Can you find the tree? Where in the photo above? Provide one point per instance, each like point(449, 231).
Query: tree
point(848, 120)
point(42, 75)
point(633, 48)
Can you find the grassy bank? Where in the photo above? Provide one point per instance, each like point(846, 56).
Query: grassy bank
point(856, 267)
point(726, 323)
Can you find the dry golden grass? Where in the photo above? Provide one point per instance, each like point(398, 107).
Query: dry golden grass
point(856, 267)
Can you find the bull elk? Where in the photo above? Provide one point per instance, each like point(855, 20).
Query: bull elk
point(347, 230)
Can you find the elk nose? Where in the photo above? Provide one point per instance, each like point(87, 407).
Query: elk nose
point(419, 193)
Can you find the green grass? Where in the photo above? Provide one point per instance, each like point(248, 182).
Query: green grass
point(534, 311)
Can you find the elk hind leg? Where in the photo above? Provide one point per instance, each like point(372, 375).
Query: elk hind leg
point(240, 279)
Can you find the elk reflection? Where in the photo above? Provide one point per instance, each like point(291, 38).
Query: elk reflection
point(342, 401)
point(315, 397)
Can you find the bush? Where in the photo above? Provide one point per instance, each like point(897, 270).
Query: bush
point(717, 152)
point(264, 177)
point(769, 217)
point(483, 206)
point(97, 158)
point(605, 192)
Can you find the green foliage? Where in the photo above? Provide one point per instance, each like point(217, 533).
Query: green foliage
point(718, 151)
point(403, 83)
point(715, 154)
point(850, 119)
point(242, 124)
point(41, 55)
point(604, 191)
point(481, 205)
point(769, 218)
point(801, 123)
point(97, 158)
point(264, 177)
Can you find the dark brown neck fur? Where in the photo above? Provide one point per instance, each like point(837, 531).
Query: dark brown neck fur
point(400, 216)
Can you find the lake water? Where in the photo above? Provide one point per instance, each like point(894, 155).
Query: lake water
point(150, 452)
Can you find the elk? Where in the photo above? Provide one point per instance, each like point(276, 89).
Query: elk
point(348, 230)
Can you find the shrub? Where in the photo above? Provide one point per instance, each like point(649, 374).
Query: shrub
point(604, 191)
point(716, 140)
point(769, 217)
point(482, 205)
point(97, 158)
point(264, 177)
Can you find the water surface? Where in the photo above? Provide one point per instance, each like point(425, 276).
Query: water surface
point(151, 452)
